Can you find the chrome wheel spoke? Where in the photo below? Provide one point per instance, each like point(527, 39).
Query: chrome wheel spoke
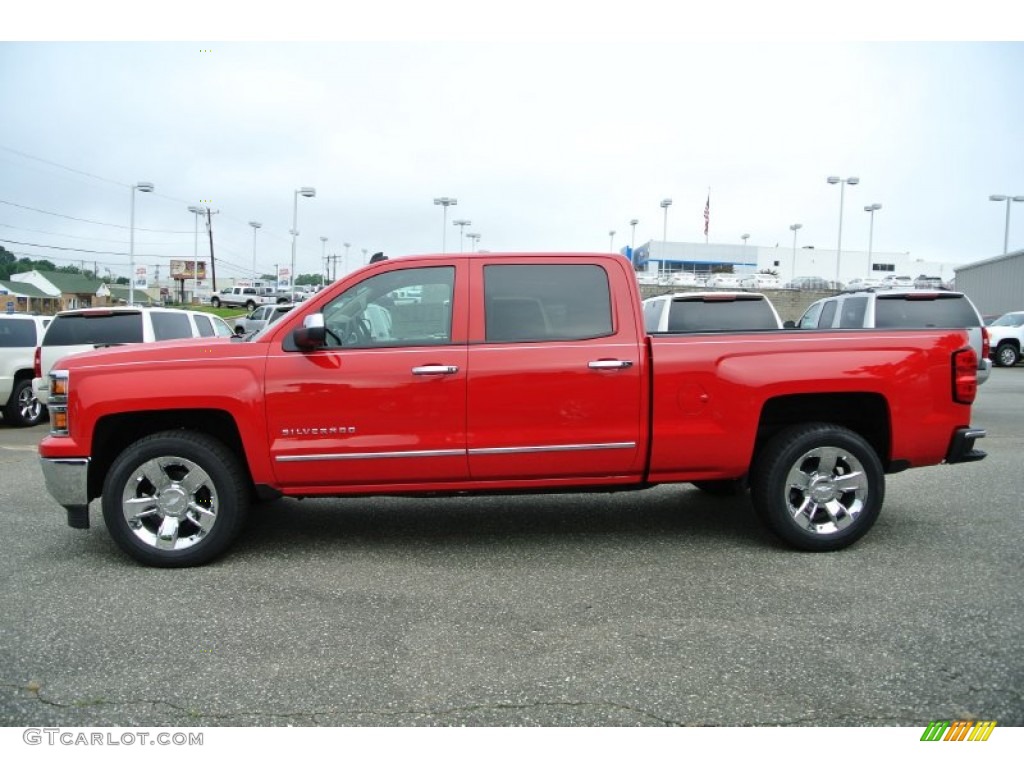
point(167, 535)
point(828, 460)
point(798, 479)
point(139, 507)
point(193, 481)
point(838, 514)
point(154, 472)
point(855, 482)
point(201, 516)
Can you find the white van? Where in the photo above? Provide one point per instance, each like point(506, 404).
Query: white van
point(81, 330)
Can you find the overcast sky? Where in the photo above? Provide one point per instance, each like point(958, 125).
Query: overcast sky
point(546, 145)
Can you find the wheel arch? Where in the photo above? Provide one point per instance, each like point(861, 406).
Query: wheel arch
point(115, 432)
point(866, 413)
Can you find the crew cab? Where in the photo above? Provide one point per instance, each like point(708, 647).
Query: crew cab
point(451, 374)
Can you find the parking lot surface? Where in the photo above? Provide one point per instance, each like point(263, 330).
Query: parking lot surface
point(658, 607)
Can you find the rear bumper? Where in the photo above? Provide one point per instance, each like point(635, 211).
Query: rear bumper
point(984, 370)
point(961, 447)
point(67, 480)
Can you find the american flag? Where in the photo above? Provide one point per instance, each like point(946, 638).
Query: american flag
point(707, 214)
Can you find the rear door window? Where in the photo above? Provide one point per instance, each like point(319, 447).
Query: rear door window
point(852, 315)
point(546, 302)
point(113, 328)
point(170, 325)
point(204, 325)
point(828, 314)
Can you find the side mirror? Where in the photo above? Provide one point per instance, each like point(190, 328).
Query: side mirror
point(789, 324)
point(312, 335)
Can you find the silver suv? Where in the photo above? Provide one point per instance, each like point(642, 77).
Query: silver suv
point(81, 330)
point(903, 308)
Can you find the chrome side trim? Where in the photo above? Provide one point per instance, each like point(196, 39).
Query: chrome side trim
point(552, 448)
point(374, 455)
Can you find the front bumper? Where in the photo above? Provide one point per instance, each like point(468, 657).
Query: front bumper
point(961, 447)
point(67, 480)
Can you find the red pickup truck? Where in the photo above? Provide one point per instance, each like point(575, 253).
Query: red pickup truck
point(487, 373)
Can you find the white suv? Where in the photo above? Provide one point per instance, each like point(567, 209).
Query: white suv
point(81, 330)
point(903, 308)
point(19, 337)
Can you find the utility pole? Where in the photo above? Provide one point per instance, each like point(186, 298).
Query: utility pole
point(213, 264)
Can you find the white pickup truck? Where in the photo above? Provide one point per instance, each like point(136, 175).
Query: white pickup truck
point(19, 337)
point(242, 296)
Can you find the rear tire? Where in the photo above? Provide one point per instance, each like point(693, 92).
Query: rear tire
point(818, 487)
point(215, 302)
point(175, 499)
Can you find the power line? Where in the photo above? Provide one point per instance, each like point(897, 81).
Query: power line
point(76, 237)
point(90, 221)
point(64, 167)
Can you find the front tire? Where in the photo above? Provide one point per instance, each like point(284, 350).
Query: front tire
point(23, 409)
point(175, 499)
point(818, 487)
point(1006, 355)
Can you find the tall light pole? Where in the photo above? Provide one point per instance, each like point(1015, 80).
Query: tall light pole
point(792, 267)
point(255, 225)
point(305, 192)
point(842, 186)
point(475, 237)
point(344, 261)
point(142, 186)
point(1008, 199)
point(664, 232)
point(461, 224)
point(195, 253)
point(871, 230)
point(323, 254)
point(444, 202)
point(632, 236)
point(611, 241)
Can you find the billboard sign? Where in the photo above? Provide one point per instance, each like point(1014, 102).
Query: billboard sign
point(184, 269)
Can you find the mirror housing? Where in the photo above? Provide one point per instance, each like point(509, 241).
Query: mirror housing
point(312, 335)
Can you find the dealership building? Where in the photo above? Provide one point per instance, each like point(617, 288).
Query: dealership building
point(995, 285)
point(656, 258)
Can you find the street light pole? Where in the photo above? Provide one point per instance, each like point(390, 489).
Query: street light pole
point(632, 237)
point(842, 186)
point(255, 225)
point(142, 186)
point(475, 237)
point(323, 256)
point(611, 241)
point(195, 254)
point(444, 202)
point(792, 267)
point(305, 192)
point(664, 232)
point(871, 230)
point(461, 224)
point(1008, 199)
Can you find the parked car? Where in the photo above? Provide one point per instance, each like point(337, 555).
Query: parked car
point(81, 330)
point(261, 317)
point(709, 311)
point(897, 281)
point(863, 283)
point(812, 283)
point(19, 337)
point(1006, 338)
point(723, 281)
point(903, 308)
point(760, 281)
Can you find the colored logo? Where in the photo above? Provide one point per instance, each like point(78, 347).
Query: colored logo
point(958, 730)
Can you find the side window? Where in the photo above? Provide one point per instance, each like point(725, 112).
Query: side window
point(853, 312)
point(17, 333)
point(652, 314)
point(170, 325)
point(546, 302)
point(828, 313)
point(810, 318)
point(204, 325)
point(403, 307)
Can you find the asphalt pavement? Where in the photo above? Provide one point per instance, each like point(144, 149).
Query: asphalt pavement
point(651, 608)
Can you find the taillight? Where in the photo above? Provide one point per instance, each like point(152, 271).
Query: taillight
point(37, 363)
point(986, 346)
point(965, 376)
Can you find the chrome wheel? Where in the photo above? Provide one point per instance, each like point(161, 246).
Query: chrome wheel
point(826, 489)
point(1006, 355)
point(23, 409)
point(170, 503)
point(818, 486)
point(175, 498)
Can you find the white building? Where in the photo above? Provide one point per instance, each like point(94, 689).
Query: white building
point(655, 257)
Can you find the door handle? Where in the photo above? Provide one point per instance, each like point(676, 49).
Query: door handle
point(606, 365)
point(434, 370)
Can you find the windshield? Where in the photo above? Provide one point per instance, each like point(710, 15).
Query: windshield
point(1010, 319)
